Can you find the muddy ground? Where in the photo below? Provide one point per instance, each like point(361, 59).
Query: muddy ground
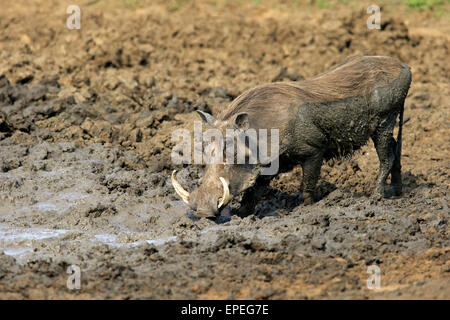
point(86, 118)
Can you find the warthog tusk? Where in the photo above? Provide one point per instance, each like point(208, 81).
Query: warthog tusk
point(226, 193)
point(179, 189)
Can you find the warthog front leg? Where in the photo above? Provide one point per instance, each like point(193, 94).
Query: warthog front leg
point(311, 172)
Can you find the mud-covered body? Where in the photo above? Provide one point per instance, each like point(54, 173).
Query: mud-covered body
point(328, 116)
point(342, 126)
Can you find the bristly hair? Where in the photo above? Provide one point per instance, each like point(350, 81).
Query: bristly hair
point(355, 76)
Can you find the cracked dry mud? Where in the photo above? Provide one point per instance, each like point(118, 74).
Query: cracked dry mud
point(86, 119)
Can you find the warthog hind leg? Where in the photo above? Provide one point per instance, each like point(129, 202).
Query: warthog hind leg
point(386, 150)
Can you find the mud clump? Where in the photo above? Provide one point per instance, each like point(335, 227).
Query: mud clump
point(86, 120)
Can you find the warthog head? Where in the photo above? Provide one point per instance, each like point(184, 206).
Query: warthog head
point(221, 181)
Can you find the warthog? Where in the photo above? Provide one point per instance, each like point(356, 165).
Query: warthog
point(331, 115)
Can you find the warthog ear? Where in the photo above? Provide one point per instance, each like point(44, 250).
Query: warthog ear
point(206, 117)
point(241, 121)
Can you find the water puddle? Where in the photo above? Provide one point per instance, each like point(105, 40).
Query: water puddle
point(59, 203)
point(17, 253)
point(14, 241)
point(13, 234)
point(111, 240)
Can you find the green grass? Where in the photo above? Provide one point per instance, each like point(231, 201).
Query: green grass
point(176, 4)
point(438, 7)
point(425, 4)
point(130, 3)
point(324, 4)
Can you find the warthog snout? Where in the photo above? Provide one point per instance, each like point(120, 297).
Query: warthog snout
point(206, 201)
